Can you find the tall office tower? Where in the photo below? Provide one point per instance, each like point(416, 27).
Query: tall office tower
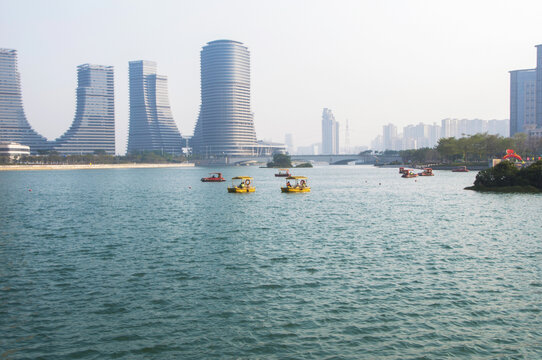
point(538, 86)
point(389, 135)
point(347, 138)
point(225, 124)
point(13, 124)
point(330, 133)
point(152, 127)
point(289, 141)
point(522, 100)
point(93, 128)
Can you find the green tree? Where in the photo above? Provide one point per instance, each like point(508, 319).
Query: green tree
point(280, 160)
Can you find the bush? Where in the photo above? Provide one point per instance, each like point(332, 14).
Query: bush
point(281, 161)
point(506, 174)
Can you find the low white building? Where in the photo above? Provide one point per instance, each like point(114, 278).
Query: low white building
point(13, 150)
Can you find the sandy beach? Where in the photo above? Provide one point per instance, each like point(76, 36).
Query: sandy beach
point(91, 166)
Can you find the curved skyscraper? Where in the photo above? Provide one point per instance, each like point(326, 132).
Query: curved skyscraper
point(225, 124)
point(93, 128)
point(13, 123)
point(152, 127)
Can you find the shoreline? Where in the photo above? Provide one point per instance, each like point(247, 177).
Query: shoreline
point(90, 166)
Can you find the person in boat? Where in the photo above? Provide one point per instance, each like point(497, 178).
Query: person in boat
point(288, 184)
point(242, 185)
point(302, 184)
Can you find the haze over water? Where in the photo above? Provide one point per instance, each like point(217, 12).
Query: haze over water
point(152, 263)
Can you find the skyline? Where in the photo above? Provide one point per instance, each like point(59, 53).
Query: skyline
point(305, 56)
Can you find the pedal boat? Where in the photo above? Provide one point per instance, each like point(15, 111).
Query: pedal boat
point(460, 169)
point(215, 177)
point(283, 173)
point(409, 174)
point(300, 185)
point(426, 172)
point(245, 186)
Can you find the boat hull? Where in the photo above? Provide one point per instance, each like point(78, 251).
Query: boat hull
point(295, 190)
point(241, 190)
point(212, 180)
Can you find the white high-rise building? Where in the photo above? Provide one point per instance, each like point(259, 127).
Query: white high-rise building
point(93, 127)
point(389, 136)
point(152, 127)
point(330, 133)
point(225, 124)
point(13, 124)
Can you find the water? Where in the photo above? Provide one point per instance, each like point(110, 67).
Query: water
point(153, 264)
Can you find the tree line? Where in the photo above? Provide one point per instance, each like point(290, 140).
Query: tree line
point(98, 157)
point(474, 148)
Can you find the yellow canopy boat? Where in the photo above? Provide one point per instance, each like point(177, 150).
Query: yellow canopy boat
point(299, 185)
point(245, 186)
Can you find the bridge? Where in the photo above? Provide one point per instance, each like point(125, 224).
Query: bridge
point(342, 159)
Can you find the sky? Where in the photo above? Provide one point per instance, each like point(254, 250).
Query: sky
point(371, 62)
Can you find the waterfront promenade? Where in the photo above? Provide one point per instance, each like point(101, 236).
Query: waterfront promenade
point(91, 166)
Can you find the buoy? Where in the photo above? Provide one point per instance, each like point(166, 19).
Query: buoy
point(379, 183)
point(190, 187)
point(29, 189)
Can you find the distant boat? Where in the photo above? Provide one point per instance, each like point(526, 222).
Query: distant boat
point(426, 172)
point(283, 173)
point(409, 174)
point(216, 177)
point(460, 169)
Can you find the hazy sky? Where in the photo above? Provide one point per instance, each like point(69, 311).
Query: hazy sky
point(371, 62)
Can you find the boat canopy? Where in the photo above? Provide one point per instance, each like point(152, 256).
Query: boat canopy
point(296, 177)
point(242, 178)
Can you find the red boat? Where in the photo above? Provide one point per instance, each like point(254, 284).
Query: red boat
point(283, 173)
point(461, 169)
point(216, 177)
point(409, 174)
point(426, 172)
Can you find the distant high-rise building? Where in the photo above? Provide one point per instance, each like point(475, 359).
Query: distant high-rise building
point(538, 106)
point(389, 136)
point(526, 98)
point(330, 133)
point(289, 141)
point(152, 127)
point(13, 124)
point(93, 128)
point(225, 124)
point(434, 134)
point(522, 100)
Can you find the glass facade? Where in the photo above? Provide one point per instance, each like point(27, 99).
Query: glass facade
point(152, 127)
point(93, 128)
point(225, 124)
point(522, 100)
point(13, 124)
point(538, 106)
